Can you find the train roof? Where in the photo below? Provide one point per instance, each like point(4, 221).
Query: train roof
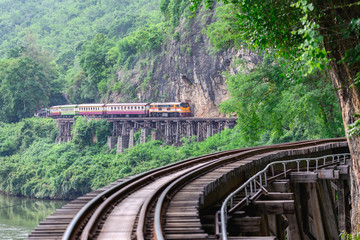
point(68, 106)
point(127, 104)
point(91, 105)
point(166, 103)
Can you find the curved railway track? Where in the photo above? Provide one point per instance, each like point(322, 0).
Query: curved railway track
point(164, 203)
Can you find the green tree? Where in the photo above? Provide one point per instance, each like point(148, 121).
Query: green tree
point(29, 80)
point(95, 65)
point(24, 88)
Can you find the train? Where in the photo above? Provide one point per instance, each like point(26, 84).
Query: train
point(102, 110)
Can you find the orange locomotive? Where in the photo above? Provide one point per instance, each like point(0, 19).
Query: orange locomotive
point(172, 109)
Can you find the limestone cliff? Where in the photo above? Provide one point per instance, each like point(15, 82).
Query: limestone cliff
point(185, 70)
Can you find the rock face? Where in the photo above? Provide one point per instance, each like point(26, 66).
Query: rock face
point(185, 71)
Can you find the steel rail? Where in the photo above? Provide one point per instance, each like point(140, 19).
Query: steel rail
point(253, 181)
point(84, 212)
point(99, 212)
point(246, 154)
point(145, 206)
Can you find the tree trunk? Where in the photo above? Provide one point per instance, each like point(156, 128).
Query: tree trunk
point(338, 15)
point(349, 102)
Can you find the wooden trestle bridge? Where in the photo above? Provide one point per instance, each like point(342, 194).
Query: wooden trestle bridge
point(170, 130)
point(288, 191)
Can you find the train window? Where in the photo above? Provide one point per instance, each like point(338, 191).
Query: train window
point(177, 106)
point(184, 105)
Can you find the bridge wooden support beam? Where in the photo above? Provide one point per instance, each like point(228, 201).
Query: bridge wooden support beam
point(169, 130)
point(145, 133)
point(156, 135)
point(343, 208)
point(316, 213)
point(122, 143)
point(131, 137)
point(65, 128)
point(111, 142)
point(303, 208)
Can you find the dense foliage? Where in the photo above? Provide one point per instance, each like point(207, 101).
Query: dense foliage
point(91, 39)
point(63, 26)
point(273, 108)
point(29, 80)
point(33, 165)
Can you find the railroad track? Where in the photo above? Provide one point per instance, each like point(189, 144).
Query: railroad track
point(164, 203)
